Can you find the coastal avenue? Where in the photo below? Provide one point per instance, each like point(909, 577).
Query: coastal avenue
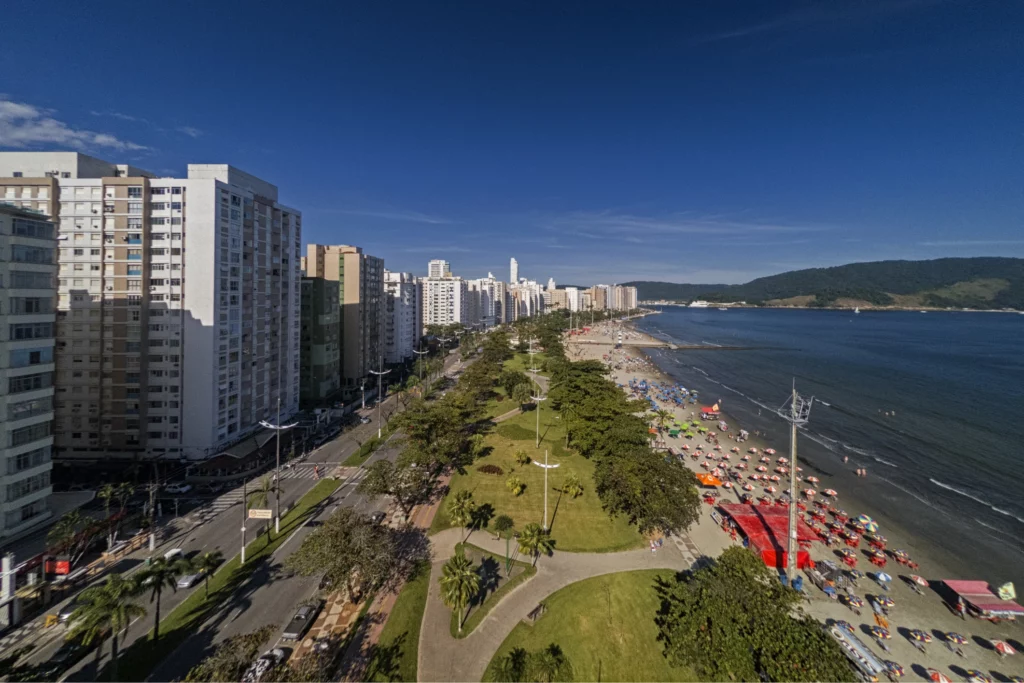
point(269, 597)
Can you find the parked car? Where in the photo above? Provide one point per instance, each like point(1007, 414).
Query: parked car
point(214, 487)
point(265, 663)
point(377, 517)
point(365, 420)
point(67, 610)
point(178, 488)
point(189, 580)
point(66, 656)
point(303, 619)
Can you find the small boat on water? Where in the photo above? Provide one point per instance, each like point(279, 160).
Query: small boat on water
point(856, 309)
point(722, 308)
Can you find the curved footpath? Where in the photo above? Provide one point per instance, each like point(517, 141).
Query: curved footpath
point(443, 658)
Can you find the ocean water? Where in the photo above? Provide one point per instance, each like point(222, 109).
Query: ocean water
point(947, 467)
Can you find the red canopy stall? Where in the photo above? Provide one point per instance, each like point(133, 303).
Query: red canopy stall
point(766, 527)
point(986, 604)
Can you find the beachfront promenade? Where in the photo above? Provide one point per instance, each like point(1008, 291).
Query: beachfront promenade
point(444, 658)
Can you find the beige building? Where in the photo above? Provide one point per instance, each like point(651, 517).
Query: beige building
point(360, 279)
point(28, 278)
point(168, 287)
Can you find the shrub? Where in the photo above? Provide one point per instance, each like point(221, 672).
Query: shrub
point(490, 469)
point(521, 457)
point(515, 485)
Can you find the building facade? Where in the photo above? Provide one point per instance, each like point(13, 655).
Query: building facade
point(28, 278)
point(360, 280)
point(402, 318)
point(439, 268)
point(444, 300)
point(320, 342)
point(167, 287)
point(513, 271)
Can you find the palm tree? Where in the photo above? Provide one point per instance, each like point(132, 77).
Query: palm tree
point(206, 564)
point(513, 667)
point(573, 486)
point(161, 574)
point(570, 414)
point(459, 584)
point(260, 498)
point(550, 664)
point(67, 535)
point(533, 540)
point(107, 493)
point(662, 417)
point(461, 508)
point(106, 609)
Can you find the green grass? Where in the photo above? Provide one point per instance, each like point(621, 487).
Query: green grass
point(605, 626)
point(143, 656)
point(367, 448)
point(521, 362)
point(578, 525)
point(478, 613)
point(397, 651)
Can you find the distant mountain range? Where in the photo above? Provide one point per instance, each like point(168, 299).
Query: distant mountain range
point(979, 283)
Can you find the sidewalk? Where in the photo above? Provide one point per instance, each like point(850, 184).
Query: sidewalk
point(362, 647)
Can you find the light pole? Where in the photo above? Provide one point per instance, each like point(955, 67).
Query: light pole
point(537, 400)
point(798, 415)
point(380, 375)
point(277, 473)
point(420, 363)
point(362, 388)
point(546, 467)
point(245, 515)
point(444, 350)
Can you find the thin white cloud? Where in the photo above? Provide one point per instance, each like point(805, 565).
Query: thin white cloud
point(393, 215)
point(26, 126)
point(118, 115)
point(969, 243)
point(437, 250)
point(189, 131)
point(609, 224)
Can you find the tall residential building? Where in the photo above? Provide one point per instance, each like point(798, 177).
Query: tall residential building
point(556, 299)
point(168, 287)
point(439, 268)
point(528, 299)
point(320, 341)
point(599, 297)
point(488, 299)
point(551, 283)
point(572, 299)
point(629, 298)
point(28, 279)
point(514, 271)
point(360, 279)
point(444, 300)
point(403, 320)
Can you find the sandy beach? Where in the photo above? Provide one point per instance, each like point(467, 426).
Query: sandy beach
point(927, 612)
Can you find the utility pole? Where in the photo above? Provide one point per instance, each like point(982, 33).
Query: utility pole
point(420, 362)
point(245, 516)
point(546, 467)
point(799, 413)
point(537, 400)
point(152, 507)
point(277, 475)
point(380, 375)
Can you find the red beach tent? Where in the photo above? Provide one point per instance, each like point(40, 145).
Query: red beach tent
point(978, 595)
point(766, 527)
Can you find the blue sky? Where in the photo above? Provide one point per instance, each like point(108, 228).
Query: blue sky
point(711, 141)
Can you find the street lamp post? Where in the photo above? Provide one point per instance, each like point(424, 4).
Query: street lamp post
point(245, 516)
point(546, 467)
point(537, 400)
point(380, 375)
point(362, 388)
point(421, 360)
point(277, 475)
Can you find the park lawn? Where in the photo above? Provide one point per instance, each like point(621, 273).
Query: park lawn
point(495, 407)
point(521, 362)
point(577, 525)
point(142, 656)
point(521, 573)
point(605, 626)
point(395, 657)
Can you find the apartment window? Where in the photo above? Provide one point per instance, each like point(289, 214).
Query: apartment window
point(20, 331)
point(158, 221)
point(26, 305)
point(132, 346)
point(159, 206)
point(134, 207)
point(26, 228)
point(40, 380)
point(176, 206)
point(135, 193)
point(158, 190)
point(134, 223)
point(157, 282)
point(157, 252)
point(135, 270)
point(21, 279)
point(134, 285)
point(20, 463)
point(22, 253)
point(20, 489)
point(31, 408)
point(16, 174)
point(23, 358)
point(134, 254)
point(24, 435)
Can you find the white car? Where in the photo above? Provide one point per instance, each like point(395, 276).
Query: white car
point(189, 580)
point(178, 488)
point(365, 420)
point(264, 664)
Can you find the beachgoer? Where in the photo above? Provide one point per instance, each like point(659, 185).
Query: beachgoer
point(846, 459)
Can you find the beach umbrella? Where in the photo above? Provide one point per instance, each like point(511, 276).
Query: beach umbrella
point(846, 552)
point(727, 484)
point(752, 450)
point(885, 601)
point(845, 625)
point(775, 477)
point(765, 460)
point(902, 554)
point(879, 538)
point(938, 677)
point(781, 470)
point(880, 633)
point(718, 448)
point(746, 458)
point(975, 676)
point(770, 489)
point(735, 449)
point(812, 480)
point(1016, 679)
point(762, 468)
point(810, 493)
point(1003, 648)
point(770, 451)
point(894, 669)
point(748, 487)
point(855, 573)
point(918, 580)
point(882, 577)
point(955, 637)
point(921, 636)
point(829, 492)
point(854, 601)
point(839, 512)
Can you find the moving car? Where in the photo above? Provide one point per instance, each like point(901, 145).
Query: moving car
point(67, 610)
point(189, 580)
point(303, 619)
point(178, 488)
point(377, 517)
point(214, 487)
point(365, 420)
point(265, 663)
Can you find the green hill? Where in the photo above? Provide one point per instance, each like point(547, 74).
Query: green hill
point(986, 282)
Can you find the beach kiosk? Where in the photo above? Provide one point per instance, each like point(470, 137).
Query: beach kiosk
point(710, 412)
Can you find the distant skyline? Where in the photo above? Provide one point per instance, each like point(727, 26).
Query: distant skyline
point(700, 142)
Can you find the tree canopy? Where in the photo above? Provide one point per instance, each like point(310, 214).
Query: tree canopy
point(734, 621)
point(654, 494)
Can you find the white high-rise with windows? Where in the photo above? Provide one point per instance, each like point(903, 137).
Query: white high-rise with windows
point(513, 271)
point(444, 300)
point(439, 268)
point(28, 277)
point(402, 318)
point(178, 304)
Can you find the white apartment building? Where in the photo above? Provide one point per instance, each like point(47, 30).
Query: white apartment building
point(439, 268)
point(444, 300)
point(528, 299)
point(489, 295)
point(403, 320)
point(572, 299)
point(28, 278)
point(513, 271)
point(178, 305)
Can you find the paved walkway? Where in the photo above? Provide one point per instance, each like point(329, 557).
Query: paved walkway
point(443, 658)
